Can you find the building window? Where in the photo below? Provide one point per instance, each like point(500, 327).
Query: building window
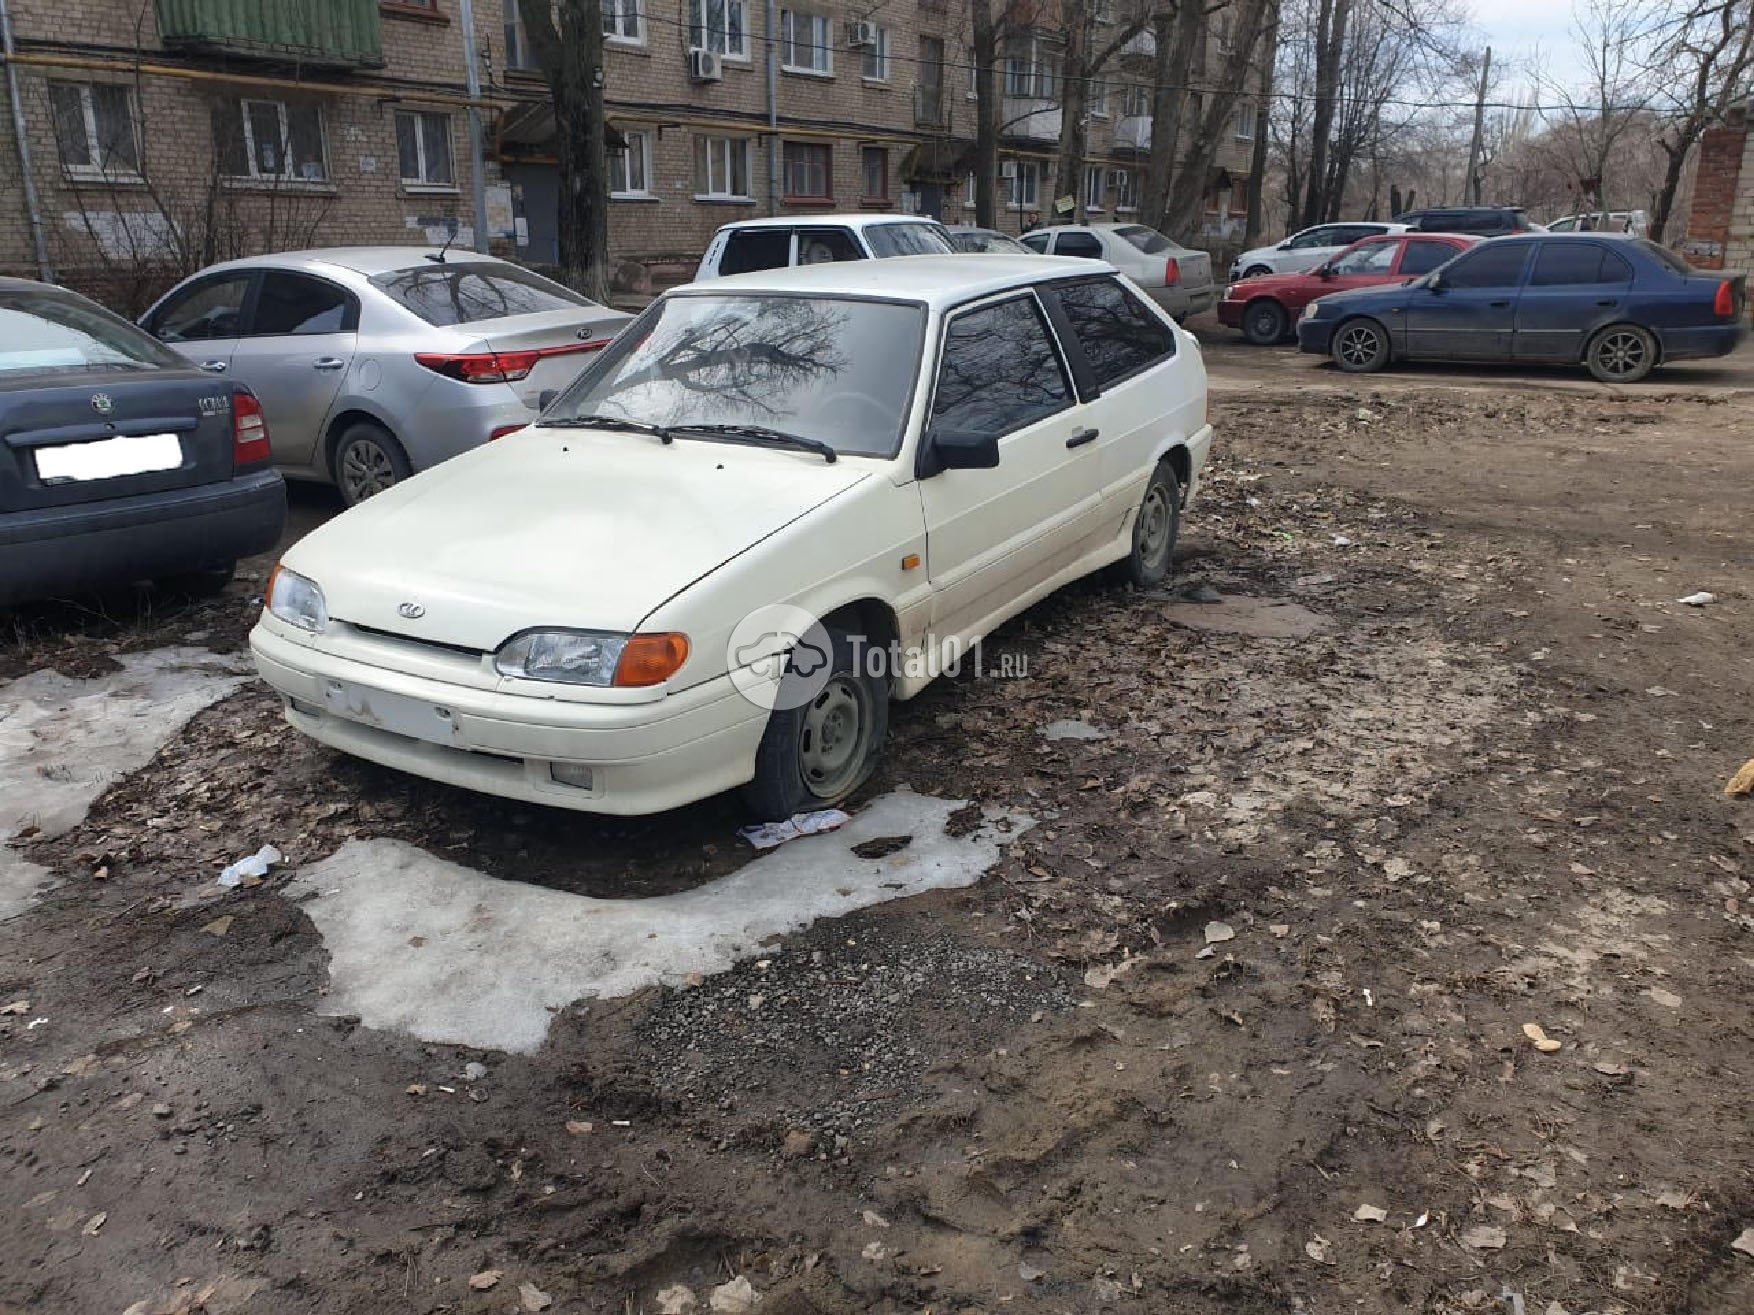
point(1138, 100)
point(1125, 189)
point(518, 53)
point(808, 170)
point(1032, 69)
point(423, 146)
point(974, 72)
point(874, 168)
point(94, 129)
point(876, 68)
point(1095, 186)
point(623, 21)
point(1245, 123)
point(723, 166)
point(806, 42)
point(271, 140)
point(630, 167)
point(1025, 183)
point(721, 26)
point(970, 192)
point(929, 91)
point(1096, 102)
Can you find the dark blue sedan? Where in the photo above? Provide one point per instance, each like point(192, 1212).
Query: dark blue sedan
point(1619, 305)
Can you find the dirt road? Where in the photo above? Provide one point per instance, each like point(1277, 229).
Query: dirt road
point(1235, 1022)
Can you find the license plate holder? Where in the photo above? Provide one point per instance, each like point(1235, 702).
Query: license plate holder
point(416, 719)
point(108, 458)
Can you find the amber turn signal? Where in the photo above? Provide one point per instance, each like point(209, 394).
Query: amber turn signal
point(650, 660)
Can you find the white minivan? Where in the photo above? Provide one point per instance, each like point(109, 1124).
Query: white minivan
point(756, 244)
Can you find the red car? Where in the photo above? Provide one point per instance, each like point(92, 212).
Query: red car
point(1266, 308)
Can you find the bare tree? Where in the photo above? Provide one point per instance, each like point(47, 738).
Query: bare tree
point(1613, 38)
point(1089, 51)
point(566, 36)
point(1707, 55)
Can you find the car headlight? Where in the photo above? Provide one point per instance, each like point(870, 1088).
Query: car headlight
point(1309, 311)
point(592, 657)
point(297, 600)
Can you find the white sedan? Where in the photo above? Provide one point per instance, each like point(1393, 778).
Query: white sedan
point(1307, 249)
point(774, 505)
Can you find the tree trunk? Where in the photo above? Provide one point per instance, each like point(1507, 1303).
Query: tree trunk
point(1331, 22)
point(570, 54)
point(986, 116)
point(1258, 160)
point(1178, 37)
point(1074, 96)
point(1187, 190)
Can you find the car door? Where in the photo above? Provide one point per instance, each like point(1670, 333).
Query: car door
point(992, 535)
point(1574, 286)
point(204, 320)
point(297, 348)
point(1469, 311)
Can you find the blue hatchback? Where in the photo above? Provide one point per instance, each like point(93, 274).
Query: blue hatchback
point(1619, 305)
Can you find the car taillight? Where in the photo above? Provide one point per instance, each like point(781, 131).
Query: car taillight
point(499, 367)
point(249, 431)
point(1724, 304)
point(1172, 272)
point(495, 435)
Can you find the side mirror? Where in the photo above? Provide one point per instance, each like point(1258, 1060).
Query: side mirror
point(1324, 272)
point(545, 398)
point(958, 449)
point(1434, 283)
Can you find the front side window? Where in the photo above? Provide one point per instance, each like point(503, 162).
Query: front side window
point(296, 303)
point(721, 26)
point(874, 173)
point(1000, 370)
point(1037, 241)
point(1561, 264)
point(913, 239)
point(808, 171)
point(1422, 256)
point(50, 330)
point(1118, 335)
point(824, 246)
point(623, 21)
point(630, 167)
point(459, 292)
point(876, 62)
point(836, 369)
point(1377, 258)
point(1493, 265)
point(723, 167)
point(806, 42)
point(94, 129)
point(210, 310)
point(1311, 237)
point(272, 140)
point(423, 148)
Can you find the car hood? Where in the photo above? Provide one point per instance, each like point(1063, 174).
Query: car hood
point(1377, 298)
point(1269, 283)
point(557, 528)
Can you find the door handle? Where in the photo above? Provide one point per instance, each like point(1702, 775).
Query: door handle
point(1499, 305)
point(214, 367)
point(328, 363)
point(1082, 437)
point(1609, 301)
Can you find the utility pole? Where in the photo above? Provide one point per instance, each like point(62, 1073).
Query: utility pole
point(1473, 182)
point(466, 16)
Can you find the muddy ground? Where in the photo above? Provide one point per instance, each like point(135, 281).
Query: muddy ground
point(1237, 1025)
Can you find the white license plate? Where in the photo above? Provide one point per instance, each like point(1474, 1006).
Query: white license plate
point(396, 713)
point(109, 458)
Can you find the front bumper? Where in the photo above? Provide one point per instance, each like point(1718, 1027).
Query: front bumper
point(1315, 335)
point(1230, 313)
point(61, 550)
point(642, 757)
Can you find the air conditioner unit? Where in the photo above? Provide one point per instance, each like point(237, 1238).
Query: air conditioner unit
point(861, 34)
point(1007, 168)
point(705, 66)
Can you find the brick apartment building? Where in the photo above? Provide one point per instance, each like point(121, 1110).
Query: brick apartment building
point(163, 134)
point(1720, 224)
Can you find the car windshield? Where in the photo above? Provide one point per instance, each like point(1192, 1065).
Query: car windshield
point(458, 292)
point(51, 331)
point(908, 240)
point(837, 369)
point(1148, 240)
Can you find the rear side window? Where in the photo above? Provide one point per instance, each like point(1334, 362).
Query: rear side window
point(214, 309)
point(1491, 265)
point(296, 303)
point(907, 240)
point(52, 331)
point(1117, 333)
point(1563, 264)
point(1078, 244)
point(756, 248)
point(1000, 370)
point(1421, 256)
point(1148, 240)
point(454, 293)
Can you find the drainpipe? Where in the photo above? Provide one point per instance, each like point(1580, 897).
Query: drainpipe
point(32, 204)
point(773, 112)
point(466, 15)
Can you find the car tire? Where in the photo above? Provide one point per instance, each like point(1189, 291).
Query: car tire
point(1360, 346)
point(1156, 527)
point(1621, 354)
point(818, 754)
point(209, 583)
point(1264, 322)
point(368, 460)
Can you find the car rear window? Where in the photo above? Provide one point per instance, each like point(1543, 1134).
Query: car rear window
point(51, 331)
point(1148, 240)
point(907, 240)
point(458, 293)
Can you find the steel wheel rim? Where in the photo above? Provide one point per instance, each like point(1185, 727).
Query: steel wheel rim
point(1620, 353)
point(1266, 321)
point(1358, 345)
point(1153, 525)
point(834, 737)
point(365, 470)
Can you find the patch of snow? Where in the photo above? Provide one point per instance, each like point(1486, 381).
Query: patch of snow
point(449, 954)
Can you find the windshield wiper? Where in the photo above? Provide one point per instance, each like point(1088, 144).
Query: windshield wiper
point(762, 434)
point(606, 422)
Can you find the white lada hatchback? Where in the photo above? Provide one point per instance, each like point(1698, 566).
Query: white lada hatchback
point(777, 503)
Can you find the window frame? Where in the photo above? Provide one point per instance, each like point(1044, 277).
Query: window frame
point(878, 51)
point(643, 138)
point(700, 32)
point(612, 13)
point(251, 279)
point(423, 184)
point(1603, 255)
point(1250, 112)
point(704, 164)
point(866, 195)
point(1484, 252)
point(349, 319)
point(94, 169)
point(1090, 386)
point(820, 44)
point(283, 116)
point(1097, 173)
point(790, 197)
point(1126, 197)
point(1014, 198)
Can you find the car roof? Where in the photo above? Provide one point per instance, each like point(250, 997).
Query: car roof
point(936, 281)
point(365, 261)
point(860, 220)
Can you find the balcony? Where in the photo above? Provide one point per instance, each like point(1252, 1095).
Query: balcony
point(1141, 45)
point(1133, 133)
point(332, 34)
point(1028, 119)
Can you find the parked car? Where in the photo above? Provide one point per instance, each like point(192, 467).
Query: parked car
point(757, 244)
point(1618, 305)
point(1636, 222)
point(984, 241)
point(118, 460)
point(1179, 280)
point(375, 362)
point(1305, 250)
point(1480, 220)
point(912, 451)
point(1266, 309)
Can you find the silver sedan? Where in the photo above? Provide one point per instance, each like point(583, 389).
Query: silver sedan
point(1177, 278)
point(375, 362)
